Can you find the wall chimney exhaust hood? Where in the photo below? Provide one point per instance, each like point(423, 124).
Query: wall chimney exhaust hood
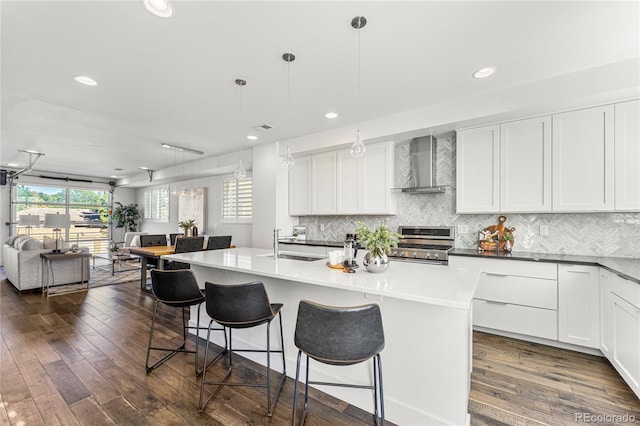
point(416, 167)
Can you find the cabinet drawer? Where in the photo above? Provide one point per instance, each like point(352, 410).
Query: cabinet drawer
point(516, 319)
point(520, 268)
point(626, 289)
point(535, 292)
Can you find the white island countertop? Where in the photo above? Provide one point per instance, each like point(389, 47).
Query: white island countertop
point(417, 282)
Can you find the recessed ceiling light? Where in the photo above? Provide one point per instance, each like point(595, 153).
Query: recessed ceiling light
point(161, 8)
point(484, 72)
point(113, 176)
point(83, 79)
point(252, 137)
point(331, 115)
point(12, 165)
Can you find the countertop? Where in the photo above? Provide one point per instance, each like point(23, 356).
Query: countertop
point(417, 282)
point(628, 268)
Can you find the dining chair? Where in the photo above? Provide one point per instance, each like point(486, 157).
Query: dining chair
point(173, 237)
point(184, 245)
point(219, 242)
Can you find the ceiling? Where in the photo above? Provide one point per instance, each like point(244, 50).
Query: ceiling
point(172, 80)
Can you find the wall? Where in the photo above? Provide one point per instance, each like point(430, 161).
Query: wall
point(241, 232)
point(608, 234)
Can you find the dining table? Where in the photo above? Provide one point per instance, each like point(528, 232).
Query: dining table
point(150, 253)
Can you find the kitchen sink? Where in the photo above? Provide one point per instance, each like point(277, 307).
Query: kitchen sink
point(298, 256)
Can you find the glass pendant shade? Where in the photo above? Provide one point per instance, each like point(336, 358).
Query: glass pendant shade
point(288, 161)
point(240, 172)
point(357, 148)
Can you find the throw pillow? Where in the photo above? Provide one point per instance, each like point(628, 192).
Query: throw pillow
point(30, 244)
point(11, 239)
point(16, 242)
point(136, 241)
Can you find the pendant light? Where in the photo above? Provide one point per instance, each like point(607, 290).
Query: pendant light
point(240, 172)
point(358, 149)
point(288, 161)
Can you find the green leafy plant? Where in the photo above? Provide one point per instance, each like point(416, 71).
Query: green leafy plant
point(187, 224)
point(507, 236)
point(378, 241)
point(126, 216)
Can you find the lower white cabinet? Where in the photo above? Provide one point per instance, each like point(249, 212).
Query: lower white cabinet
point(515, 296)
point(606, 313)
point(579, 305)
point(622, 330)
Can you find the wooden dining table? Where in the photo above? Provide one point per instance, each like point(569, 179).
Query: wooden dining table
point(147, 253)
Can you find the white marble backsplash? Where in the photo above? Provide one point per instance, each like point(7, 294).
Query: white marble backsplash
point(589, 234)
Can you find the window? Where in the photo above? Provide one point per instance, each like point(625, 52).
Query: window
point(87, 208)
point(237, 200)
point(156, 204)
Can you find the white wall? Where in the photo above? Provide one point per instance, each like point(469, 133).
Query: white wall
point(270, 196)
point(241, 232)
point(5, 215)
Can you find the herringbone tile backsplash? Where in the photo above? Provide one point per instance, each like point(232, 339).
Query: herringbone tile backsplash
point(590, 234)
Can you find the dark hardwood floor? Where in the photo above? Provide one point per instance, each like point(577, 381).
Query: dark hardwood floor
point(79, 359)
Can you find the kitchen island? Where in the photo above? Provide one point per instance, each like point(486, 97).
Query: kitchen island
point(426, 311)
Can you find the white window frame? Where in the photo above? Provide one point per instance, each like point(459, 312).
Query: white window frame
point(235, 219)
point(153, 195)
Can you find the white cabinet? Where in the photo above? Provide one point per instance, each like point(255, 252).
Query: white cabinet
point(625, 317)
point(579, 305)
point(349, 177)
point(478, 170)
point(525, 165)
point(514, 296)
point(333, 183)
point(323, 183)
point(583, 143)
point(377, 179)
point(627, 155)
point(300, 187)
point(606, 313)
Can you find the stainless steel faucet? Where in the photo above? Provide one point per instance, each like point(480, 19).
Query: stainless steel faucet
point(276, 246)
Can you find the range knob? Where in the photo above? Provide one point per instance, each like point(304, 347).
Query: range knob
point(394, 253)
point(415, 254)
point(427, 256)
point(435, 255)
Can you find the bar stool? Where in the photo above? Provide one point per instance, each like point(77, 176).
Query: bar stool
point(339, 336)
point(178, 289)
point(243, 306)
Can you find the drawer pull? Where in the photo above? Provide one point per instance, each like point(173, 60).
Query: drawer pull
point(495, 274)
point(495, 302)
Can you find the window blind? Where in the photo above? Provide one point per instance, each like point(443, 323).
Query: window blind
point(237, 200)
point(156, 204)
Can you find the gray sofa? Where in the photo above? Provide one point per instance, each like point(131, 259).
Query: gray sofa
point(23, 265)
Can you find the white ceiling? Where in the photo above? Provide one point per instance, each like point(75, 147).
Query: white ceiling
point(172, 80)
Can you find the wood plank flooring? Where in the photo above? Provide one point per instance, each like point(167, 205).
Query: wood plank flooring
point(79, 359)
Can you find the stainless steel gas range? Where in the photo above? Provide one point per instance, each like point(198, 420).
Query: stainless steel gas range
point(429, 244)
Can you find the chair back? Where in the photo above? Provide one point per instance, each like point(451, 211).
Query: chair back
point(189, 244)
point(129, 236)
point(173, 237)
point(238, 305)
point(219, 242)
point(153, 240)
point(176, 288)
point(339, 336)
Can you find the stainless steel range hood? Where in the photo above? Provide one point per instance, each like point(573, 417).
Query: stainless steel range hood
point(416, 167)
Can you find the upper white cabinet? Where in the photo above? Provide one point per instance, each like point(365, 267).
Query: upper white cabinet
point(377, 180)
point(300, 187)
point(583, 160)
point(579, 305)
point(478, 170)
point(578, 161)
point(627, 155)
point(334, 182)
point(323, 183)
point(525, 165)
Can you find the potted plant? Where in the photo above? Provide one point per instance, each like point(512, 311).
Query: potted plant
point(187, 225)
point(507, 239)
point(126, 216)
point(379, 243)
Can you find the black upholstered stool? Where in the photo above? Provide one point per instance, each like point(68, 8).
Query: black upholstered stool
point(340, 336)
point(243, 306)
point(178, 289)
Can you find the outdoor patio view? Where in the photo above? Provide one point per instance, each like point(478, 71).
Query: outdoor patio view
point(88, 210)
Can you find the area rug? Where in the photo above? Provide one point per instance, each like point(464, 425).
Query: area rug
point(101, 277)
